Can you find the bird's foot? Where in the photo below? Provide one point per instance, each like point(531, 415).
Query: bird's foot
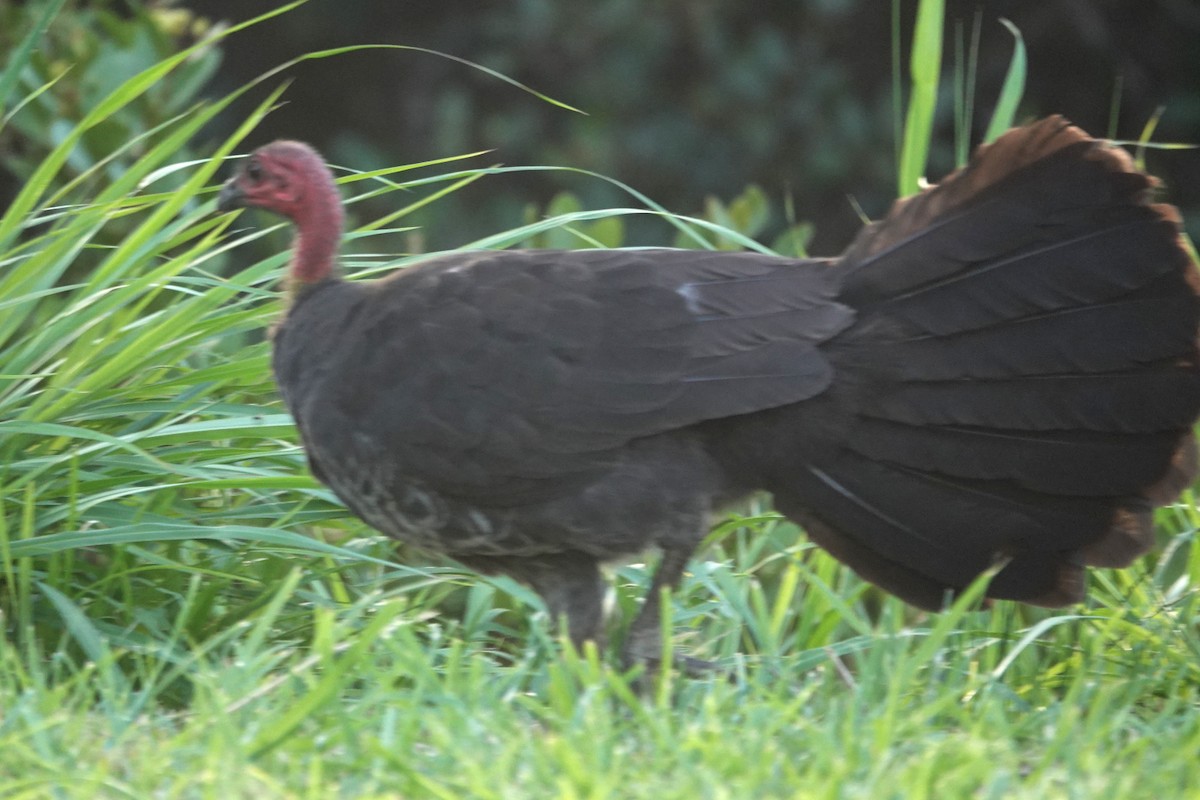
point(644, 648)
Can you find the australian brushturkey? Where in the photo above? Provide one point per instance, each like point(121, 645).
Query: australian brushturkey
point(1003, 369)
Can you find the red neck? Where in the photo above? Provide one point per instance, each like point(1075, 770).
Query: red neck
point(318, 223)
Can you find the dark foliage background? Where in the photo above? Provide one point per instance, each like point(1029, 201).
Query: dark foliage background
point(687, 98)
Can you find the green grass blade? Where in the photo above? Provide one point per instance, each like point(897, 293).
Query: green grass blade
point(966, 67)
point(145, 533)
point(1004, 115)
point(332, 679)
point(11, 74)
point(337, 51)
point(925, 66)
point(897, 87)
point(77, 623)
point(1114, 106)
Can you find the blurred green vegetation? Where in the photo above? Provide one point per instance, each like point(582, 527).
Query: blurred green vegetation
point(691, 99)
point(88, 51)
point(687, 101)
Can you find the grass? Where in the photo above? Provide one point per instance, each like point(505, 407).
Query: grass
point(186, 613)
point(376, 698)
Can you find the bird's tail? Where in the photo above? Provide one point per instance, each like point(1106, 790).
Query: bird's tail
point(1021, 382)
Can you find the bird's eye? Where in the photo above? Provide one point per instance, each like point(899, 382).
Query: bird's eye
point(254, 171)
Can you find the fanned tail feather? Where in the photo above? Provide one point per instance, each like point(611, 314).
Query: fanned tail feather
point(1020, 384)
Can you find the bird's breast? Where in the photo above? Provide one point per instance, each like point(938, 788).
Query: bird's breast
point(411, 511)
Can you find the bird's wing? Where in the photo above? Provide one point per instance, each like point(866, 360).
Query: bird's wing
point(494, 373)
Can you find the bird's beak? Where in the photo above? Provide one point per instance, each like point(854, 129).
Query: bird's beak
point(231, 196)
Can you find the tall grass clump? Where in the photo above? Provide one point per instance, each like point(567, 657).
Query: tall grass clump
point(152, 486)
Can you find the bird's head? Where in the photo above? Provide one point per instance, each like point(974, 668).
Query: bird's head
point(291, 179)
point(284, 177)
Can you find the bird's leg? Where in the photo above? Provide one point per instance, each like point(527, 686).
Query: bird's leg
point(644, 643)
point(573, 590)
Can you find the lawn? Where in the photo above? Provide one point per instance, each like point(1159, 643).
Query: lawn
point(830, 692)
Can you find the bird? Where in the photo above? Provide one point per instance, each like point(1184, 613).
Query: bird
point(1002, 374)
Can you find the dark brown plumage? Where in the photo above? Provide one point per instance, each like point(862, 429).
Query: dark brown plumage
point(1005, 368)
